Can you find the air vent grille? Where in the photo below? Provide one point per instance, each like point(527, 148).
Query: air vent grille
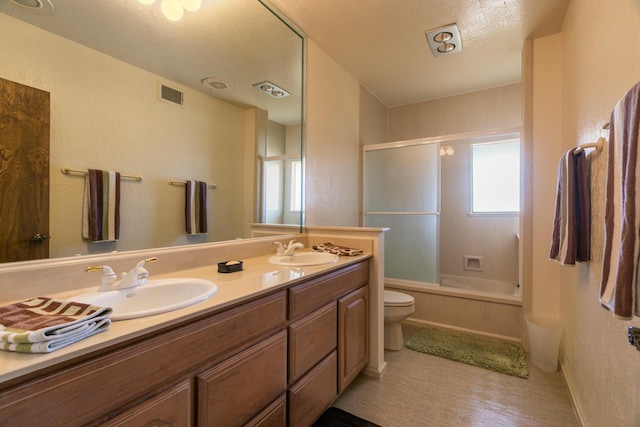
point(171, 95)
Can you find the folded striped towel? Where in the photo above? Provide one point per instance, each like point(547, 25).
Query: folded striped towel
point(42, 324)
point(335, 249)
point(195, 211)
point(101, 208)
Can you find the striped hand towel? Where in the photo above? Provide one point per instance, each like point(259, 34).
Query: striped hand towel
point(42, 324)
point(622, 209)
point(195, 211)
point(336, 249)
point(101, 208)
point(571, 235)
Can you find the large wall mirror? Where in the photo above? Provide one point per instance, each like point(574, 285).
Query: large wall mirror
point(216, 96)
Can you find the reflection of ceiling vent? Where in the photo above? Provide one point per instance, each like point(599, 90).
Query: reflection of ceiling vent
point(170, 94)
point(271, 89)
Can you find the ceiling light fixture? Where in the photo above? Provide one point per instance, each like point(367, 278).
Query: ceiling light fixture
point(37, 6)
point(271, 89)
point(444, 40)
point(173, 10)
point(216, 83)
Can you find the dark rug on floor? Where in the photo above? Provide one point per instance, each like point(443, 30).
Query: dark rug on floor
point(336, 417)
point(485, 352)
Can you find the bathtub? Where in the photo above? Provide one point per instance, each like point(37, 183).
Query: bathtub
point(480, 306)
point(481, 286)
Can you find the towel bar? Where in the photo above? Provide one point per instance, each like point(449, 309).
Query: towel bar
point(70, 171)
point(599, 145)
point(179, 182)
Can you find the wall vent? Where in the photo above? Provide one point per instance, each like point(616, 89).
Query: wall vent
point(170, 94)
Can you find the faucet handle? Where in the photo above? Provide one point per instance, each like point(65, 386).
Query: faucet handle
point(144, 261)
point(108, 276)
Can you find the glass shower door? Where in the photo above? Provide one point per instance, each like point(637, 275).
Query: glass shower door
point(401, 192)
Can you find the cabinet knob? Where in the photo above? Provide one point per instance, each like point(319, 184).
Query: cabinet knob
point(38, 238)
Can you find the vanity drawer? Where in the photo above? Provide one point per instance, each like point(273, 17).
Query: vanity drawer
point(274, 415)
point(170, 408)
point(310, 396)
point(315, 293)
point(311, 339)
point(235, 391)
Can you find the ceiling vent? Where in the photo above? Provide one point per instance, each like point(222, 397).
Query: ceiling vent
point(172, 95)
point(444, 40)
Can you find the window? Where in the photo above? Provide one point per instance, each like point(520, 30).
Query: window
point(495, 177)
point(295, 197)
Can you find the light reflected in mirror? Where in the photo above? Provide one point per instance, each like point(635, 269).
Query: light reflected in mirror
point(104, 65)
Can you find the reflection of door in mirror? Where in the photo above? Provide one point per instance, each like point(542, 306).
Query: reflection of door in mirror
point(24, 172)
point(281, 175)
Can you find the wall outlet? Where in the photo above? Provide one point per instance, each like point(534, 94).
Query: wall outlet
point(634, 337)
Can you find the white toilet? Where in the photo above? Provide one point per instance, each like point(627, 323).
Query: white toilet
point(397, 307)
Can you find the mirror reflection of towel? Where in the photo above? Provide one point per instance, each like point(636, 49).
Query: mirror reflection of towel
point(196, 207)
point(101, 208)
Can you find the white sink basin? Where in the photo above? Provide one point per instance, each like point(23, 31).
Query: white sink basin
point(154, 297)
point(302, 259)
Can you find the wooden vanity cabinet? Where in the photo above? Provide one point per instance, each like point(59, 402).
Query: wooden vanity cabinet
point(328, 340)
point(96, 390)
point(279, 360)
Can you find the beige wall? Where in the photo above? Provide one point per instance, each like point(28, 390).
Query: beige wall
point(601, 368)
point(547, 277)
point(101, 123)
point(489, 109)
point(332, 147)
point(373, 119)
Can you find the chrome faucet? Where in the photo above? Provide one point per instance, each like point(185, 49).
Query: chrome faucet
point(135, 277)
point(287, 250)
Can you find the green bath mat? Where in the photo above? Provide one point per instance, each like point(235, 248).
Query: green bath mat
point(484, 352)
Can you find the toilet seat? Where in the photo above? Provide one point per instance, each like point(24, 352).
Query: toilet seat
point(397, 299)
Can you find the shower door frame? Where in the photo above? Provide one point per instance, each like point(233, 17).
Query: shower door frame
point(482, 136)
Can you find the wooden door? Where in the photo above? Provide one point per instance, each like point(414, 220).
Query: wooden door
point(24, 172)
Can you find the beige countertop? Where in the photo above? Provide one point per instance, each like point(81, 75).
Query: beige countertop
point(257, 278)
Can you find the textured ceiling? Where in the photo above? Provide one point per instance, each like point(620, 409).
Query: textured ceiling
point(382, 42)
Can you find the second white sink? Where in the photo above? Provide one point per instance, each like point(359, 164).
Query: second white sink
point(154, 297)
point(302, 259)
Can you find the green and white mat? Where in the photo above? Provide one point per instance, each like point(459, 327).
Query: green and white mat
point(485, 352)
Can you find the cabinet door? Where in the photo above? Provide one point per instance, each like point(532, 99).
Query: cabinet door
point(169, 409)
point(236, 390)
point(353, 335)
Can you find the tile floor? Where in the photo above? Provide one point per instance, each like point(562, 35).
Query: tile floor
point(422, 390)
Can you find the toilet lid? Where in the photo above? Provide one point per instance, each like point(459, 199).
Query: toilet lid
point(397, 299)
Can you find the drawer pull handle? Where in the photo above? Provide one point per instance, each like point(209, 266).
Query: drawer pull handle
point(160, 423)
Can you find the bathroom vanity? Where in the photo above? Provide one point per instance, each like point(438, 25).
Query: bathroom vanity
point(278, 356)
